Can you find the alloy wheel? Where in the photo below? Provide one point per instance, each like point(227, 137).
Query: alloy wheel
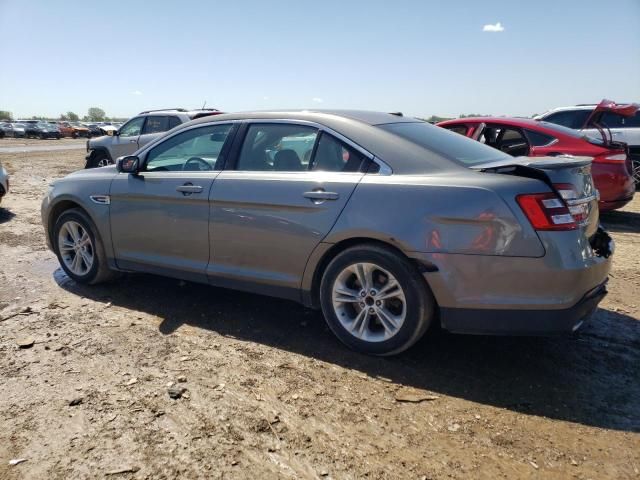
point(636, 171)
point(369, 302)
point(76, 249)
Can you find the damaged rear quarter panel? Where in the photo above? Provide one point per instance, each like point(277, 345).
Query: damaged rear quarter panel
point(462, 214)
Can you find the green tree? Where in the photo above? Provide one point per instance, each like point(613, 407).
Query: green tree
point(5, 115)
point(72, 117)
point(63, 117)
point(96, 114)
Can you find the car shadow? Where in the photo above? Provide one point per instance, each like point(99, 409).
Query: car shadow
point(621, 221)
point(590, 379)
point(6, 215)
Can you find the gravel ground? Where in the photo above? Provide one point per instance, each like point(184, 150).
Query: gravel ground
point(266, 391)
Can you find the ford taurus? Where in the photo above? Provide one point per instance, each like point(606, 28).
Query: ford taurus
point(386, 223)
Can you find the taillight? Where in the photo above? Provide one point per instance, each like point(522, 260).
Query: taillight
point(579, 211)
point(546, 211)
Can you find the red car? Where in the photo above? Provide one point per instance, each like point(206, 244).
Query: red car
point(611, 169)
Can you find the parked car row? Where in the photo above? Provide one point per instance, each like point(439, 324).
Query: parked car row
point(386, 223)
point(55, 129)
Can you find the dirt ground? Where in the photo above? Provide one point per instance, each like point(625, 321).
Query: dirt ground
point(270, 393)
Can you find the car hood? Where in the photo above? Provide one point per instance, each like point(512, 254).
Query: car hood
point(100, 172)
point(101, 141)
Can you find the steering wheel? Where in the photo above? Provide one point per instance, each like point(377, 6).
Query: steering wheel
point(196, 164)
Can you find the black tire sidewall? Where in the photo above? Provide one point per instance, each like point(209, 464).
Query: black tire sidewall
point(96, 158)
point(418, 304)
point(86, 223)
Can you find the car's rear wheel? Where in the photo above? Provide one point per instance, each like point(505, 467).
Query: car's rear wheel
point(375, 300)
point(79, 248)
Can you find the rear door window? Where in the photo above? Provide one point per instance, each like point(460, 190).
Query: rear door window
point(277, 147)
point(615, 120)
point(156, 124)
point(569, 118)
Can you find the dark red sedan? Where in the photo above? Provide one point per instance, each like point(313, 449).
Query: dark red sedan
point(612, 169)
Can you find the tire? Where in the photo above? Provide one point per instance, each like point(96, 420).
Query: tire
point(43, 136)
point(95, 271)
point(99, 159)
point(411, 307)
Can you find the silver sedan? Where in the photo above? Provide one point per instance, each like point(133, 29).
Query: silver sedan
point(386, 223)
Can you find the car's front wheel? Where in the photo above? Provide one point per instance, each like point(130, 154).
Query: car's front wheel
point(99, 159)
point(375, 300)
point(79, 248)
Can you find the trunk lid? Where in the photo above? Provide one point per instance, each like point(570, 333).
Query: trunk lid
point(568, 176)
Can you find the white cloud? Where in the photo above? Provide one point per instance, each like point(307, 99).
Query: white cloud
point(265, 98)
point(136, 92)
point(493, 28)
point(317, 100)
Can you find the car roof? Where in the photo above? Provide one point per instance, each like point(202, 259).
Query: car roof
point(358, 127)
point(319, 116)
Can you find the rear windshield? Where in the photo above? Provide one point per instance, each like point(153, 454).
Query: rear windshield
point(450, 145)
point(571, 132)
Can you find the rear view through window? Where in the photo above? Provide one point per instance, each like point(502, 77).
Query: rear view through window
point(445, 143)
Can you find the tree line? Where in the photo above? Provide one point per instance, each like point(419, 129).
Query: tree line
point(94, 114)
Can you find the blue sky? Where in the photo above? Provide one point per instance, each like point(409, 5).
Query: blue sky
point(419, 57)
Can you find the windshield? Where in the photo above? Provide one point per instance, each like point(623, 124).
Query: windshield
point(453, 146)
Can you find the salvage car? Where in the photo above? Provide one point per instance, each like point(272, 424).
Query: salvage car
point(612, 169)
point(68, 129)
point(16, 130)
point(389, 224)
point(4, 182)
point(41, 130)
point(620, 122)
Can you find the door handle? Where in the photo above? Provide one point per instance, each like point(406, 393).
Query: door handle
point(133, 141)
point(189, 188)
point(321, 195)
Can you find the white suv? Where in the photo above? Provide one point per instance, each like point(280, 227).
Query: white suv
point(620, 120)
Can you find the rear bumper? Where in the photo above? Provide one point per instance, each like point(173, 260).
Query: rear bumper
point(521, 295)
point(523, 322)
point(614, 204)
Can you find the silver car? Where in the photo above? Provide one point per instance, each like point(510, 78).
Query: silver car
point(386, 223)
point(4, 182)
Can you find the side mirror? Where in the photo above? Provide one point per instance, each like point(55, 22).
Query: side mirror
point(128, 164)
point(110, 132)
